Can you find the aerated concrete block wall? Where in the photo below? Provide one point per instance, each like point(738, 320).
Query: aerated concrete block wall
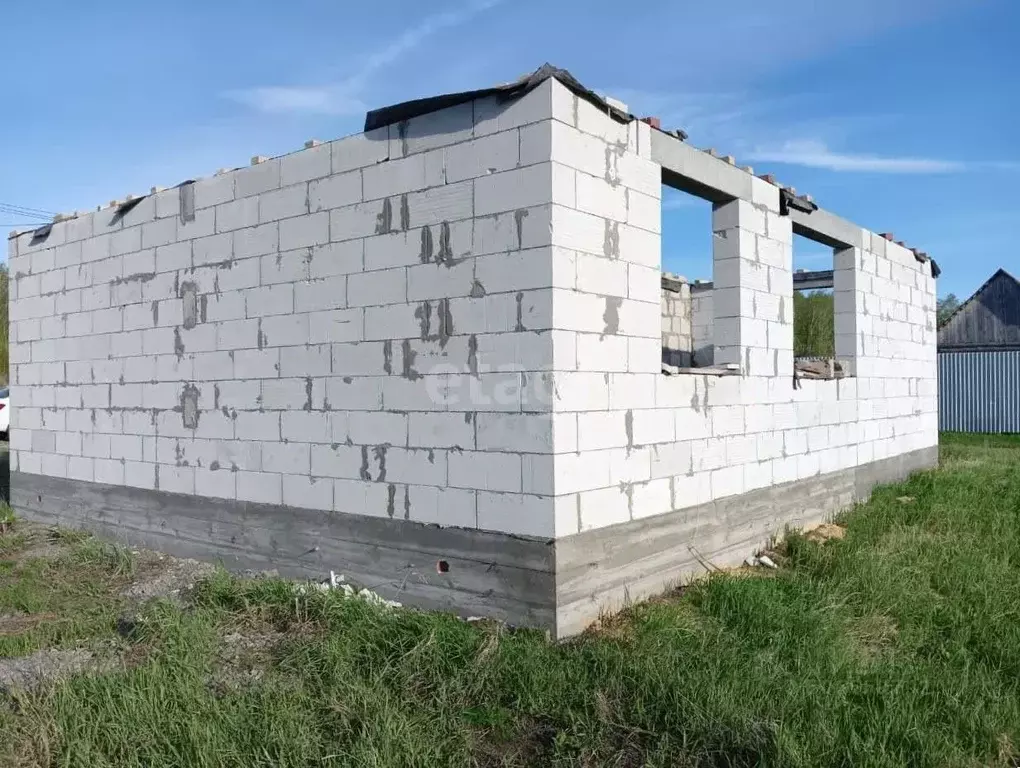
point(702, 317)
point(430, 357)
point(651, 444)
point(676, 321)
point(361, 327)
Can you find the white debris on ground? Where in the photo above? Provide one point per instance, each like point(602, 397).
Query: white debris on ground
point(52, 665)
point(337, 583)
point(760, 560)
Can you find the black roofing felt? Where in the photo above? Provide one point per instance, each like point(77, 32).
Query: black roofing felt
point(397, 113)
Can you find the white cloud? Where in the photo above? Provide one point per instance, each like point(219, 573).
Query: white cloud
point(815, 154)
point(730, 41)
point(344, 97)
point(673, 200)
point(324, 100)
point(413, 37)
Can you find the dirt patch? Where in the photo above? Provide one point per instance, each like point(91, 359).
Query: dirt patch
point(36, 541)
point(243, 659)
point(16, 623)
point(49, 666)
point(524, 740)
point(825, 532)
point(45, 550)
point(160, 575)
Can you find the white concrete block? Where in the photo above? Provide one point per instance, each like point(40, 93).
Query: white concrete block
point(403, 175)
point(156, 233)
point(214, 249)
point(434, 129)
point(631, 391)
point(529, 433)
point(727, 481)
point(441, 430)
point(600, 275)
point(596, 196)
point(603, 507)
point(306, 360)
point(653, 497)
point(304, 231)
point(598, 430)
point(203, 225)
point(257, 179)
point(377, 428)
point(263, 487)
point(417, 466)
point(305, 165)
point(651, 426)
point(237, 214)
point(208, 192)
point(580, 391)
point(256, 241)
point(308, 492)
point(351, 462)
point(525, 515)
point(386, 286)
point(483, 156)
point(436, 205)
point(484, 470)
point(493, 114)
point(439, 281)
point(628, 465)
point(283, 203)
point(335, 192)
point(312, 426)
point(360, 150)
point(441, 506)
point(517, 189)
point(354, 394)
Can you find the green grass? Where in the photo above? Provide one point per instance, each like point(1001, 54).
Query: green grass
point(62, 599)
point(898, 645)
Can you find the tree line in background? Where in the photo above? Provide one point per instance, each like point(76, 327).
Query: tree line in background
point(814, 331)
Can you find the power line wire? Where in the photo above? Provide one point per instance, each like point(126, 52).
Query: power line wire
point(25, 207)
point(34, 222)
point(11, 208)
point(24, 215)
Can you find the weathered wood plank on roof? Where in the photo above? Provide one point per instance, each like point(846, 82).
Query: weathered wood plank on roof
point(989, 318)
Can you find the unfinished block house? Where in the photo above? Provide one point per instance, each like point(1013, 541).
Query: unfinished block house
point(441, 358)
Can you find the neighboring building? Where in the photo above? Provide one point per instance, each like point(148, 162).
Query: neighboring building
point(430, 357)
point(988, 320)
point(979, 360)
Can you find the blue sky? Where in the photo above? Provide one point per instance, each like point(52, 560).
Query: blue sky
point(897, 114)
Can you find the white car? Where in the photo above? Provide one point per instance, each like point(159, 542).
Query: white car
point(5, 411)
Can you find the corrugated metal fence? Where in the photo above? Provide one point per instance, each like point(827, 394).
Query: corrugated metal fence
point(979, 391)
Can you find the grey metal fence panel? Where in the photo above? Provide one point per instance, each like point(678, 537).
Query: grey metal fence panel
point(979, 391)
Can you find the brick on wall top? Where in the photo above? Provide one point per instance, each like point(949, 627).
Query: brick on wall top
point(673, 282)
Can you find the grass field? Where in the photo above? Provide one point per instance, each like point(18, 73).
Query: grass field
point(896, 645)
